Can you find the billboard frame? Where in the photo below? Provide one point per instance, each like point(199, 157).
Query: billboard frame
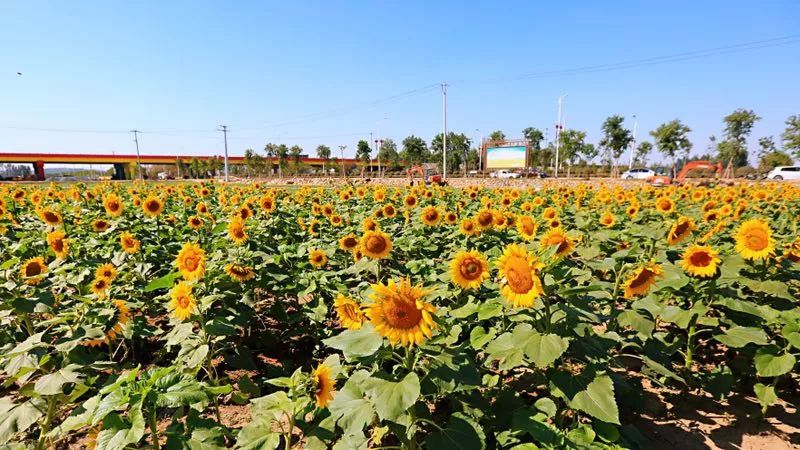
point(486, 143)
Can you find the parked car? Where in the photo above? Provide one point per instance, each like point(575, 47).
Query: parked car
point(533, 173)
point(637, 174)
point(503, 173)
point(784, 173)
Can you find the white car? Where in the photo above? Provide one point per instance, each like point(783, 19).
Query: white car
point(637, 174)
point(505, 174)
point(784, 173)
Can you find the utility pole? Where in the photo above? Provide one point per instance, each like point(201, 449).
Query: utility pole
point(138, 158)
point(341, 149)
point(224, 129)
point(558, 133)
point(444, 131)
point(633, 142)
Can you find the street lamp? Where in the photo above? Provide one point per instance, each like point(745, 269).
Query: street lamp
point(558, 132)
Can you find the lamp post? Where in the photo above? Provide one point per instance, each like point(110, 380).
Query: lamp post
point(558, 133)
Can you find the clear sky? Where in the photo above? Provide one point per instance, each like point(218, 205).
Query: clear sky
point(327, 72)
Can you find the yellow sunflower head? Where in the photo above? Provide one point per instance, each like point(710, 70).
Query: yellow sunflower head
point(484, 219)
point(641, 279)
point(100, 286)
point(191, 261)
point(527, 226)
point(112, 204)
point(430, 216)
point(468, 227)
point(324, 385)
point(239, 272)
point(700, 261)
point(389, 210)
point(348, 242)
point(182, 303)
point(100, 225)
point(317, 258)
point(107, 271)
point(348, 312)
point(665, 205)
point(399, 314)
point(152, 206)
point(50, 217)
point(607, 219)
point(58, 243)
point(680, 230)
point(33, 271)
point(129, 243)
point(521, 282)
point(236, 230)
point(469, 269)
point(754, 239)
point(558, 237)
point(195, 222)
point(376, 244)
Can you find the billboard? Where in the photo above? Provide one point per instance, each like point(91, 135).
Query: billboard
point(505, 157)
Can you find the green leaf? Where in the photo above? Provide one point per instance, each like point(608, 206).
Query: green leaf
point(544, 349)
point(766, 394)
point(16, 418)
point(595, 397)
point(356, 343)
point(162, 283)
point(391, 399)
point(351, 410)
point(547, 406)
point(509, 348)
point(737, 337)
point(53, 383)
point(478, 337)
point(638, 322)
point(257, 435)
point(770, 364)
point(461, 432)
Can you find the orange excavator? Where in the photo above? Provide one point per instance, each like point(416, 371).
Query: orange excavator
point(663, 180)
point(428, 173)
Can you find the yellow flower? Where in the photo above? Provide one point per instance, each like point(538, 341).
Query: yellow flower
point(33, 271)
point(182, 303)
point(58, 243)
point(324, 384)
point(700, 261)
point(50, 217)
point(680, 230)
point(129, 243)
point(123, 316)
point(195, 222)
point(389, 210)
point(99, 287)
point(430, 216)
point(399, 313)
point(191, 261)
point(521, 283)
point(558, 237)
point(239, 272)
point(468, 227)
point(527, 226)
point(112, 204)
point(349, 242)
point(317, 258)
point(665, 205)
point(607, 219)
point(376, 244)
point(469, 269)
point(754, 239)
point(639, 282)
point(100, 225)
point(236, 230)
point(107, 271)
point(152, 206)
point(348, 312)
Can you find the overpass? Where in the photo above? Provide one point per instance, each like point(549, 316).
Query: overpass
point(124, 165)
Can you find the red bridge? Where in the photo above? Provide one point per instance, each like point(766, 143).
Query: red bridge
point(124, 165)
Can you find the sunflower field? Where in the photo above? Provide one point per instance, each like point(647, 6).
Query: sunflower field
point(206, 316)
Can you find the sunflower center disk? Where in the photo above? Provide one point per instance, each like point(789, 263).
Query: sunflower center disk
point(402, 313)
point(519, 276)
point(700, 259)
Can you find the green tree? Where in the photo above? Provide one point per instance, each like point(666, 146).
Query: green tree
point(473, 159)
point(324, 153)
point(791, 135)
point(363, 154)
point(282, 152)
point(415, 151)
point(497, 136)
point(457, 148)
point(738, 126)
point(534, 136)
point(769, 161)
point(272, 153)
point(387, 154)
point(671, 139)
point(640, 157)
point(766, 145)
point(616, 138)
point(573, 143)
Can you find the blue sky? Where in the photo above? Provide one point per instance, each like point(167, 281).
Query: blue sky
point(326, 72)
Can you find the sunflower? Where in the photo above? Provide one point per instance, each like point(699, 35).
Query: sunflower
point(99, 287)
point(336, 220)
point(639, 282)
point(324, 384)
point(239, 272)
point(317, 258)
point(450, 217)
point(236, 230)
point(100, 225)
point(348, 312)
point(665, 205)
point(112, 205)
point(376, 244)
point(484, 219)
point(107, 271)
point(195, 222)
point(521, 283)
point(527, 226)
point(58, 243)
point(182, 303)
point(410, 201)
point(430, 216)
point(152, 206)
point(607, 219)
point(389, 210)
point(469, 269)
point(754, 239)
point(680, 230)
point(123, 316)
point(632, 211)
point(267, 204)
point(191, 261)
point(557, 237)
point(700, 261)
point(549, 213)
point(369, 225)
point(399, 313)
point(349, 242)
point(50, 217)
point(129, 243)
point(33, 271)
point(201, 208)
